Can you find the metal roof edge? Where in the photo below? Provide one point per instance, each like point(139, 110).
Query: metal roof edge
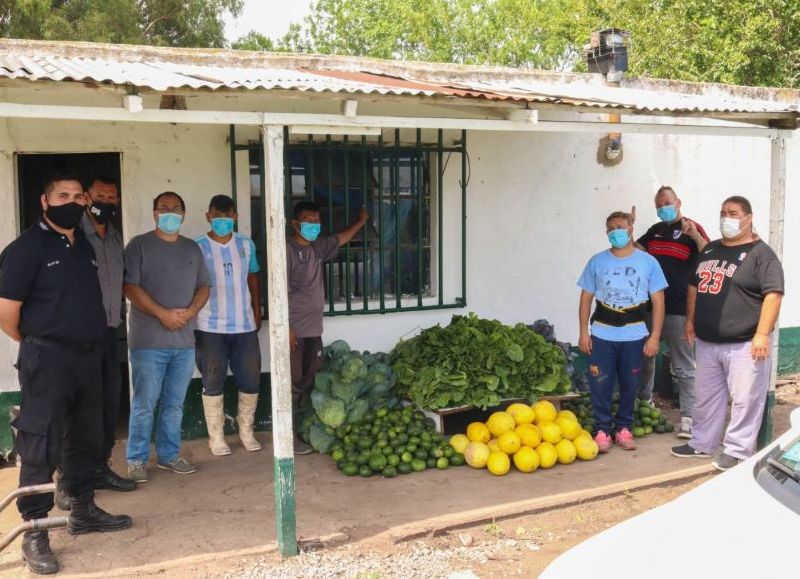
point(420, 71)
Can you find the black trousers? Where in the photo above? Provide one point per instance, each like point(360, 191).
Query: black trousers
point(60, 416)
point(306, 360)
point(112, 388)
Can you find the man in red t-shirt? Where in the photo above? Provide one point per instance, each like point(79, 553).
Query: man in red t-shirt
point(674, 241)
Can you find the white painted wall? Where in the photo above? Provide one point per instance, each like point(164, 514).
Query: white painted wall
point(536, 208)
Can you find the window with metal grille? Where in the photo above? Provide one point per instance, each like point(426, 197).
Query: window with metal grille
point(411, 254)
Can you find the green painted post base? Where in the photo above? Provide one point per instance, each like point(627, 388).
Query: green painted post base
point(285, 515)
point(765, 434)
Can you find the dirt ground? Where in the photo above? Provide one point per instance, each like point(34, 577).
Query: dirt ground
point(224, 516)
point(519, 546)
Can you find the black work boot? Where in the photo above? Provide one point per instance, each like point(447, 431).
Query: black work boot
point(87, 517)
point(37, 554)
point(63, 501)
point(105, 478)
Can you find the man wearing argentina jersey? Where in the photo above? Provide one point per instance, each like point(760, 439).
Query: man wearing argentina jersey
point(227, 326)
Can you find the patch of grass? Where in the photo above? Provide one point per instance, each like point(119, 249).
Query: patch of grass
point(493, 529)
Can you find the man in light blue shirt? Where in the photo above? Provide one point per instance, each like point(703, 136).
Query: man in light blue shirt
point(621, 280)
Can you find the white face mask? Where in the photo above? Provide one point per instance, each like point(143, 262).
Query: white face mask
point(729, 227)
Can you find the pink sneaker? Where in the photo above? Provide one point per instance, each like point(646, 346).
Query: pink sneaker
point(625, 439)
point(603, 442)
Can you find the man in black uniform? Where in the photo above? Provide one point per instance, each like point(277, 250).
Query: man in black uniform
point(102, 196)
point(50, 302)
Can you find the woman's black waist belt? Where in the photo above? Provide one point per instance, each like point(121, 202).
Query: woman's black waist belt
point(618, 316)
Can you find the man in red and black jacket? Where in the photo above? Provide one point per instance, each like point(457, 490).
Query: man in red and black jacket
point(674, 241)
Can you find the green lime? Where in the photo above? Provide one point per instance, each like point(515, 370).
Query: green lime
point(377, 462)
point(418, 465)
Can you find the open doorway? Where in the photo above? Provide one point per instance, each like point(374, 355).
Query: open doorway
point(32, 169)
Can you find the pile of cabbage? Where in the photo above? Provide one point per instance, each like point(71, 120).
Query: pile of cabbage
point(349, 388)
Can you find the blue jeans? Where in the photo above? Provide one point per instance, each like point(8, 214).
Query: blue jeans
point(159, 376)
point(611, 362)
point(215, 352)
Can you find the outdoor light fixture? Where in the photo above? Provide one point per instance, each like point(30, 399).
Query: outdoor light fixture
point(132, 103)
point(607, 54)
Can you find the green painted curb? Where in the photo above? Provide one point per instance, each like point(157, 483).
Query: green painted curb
point(285, 514)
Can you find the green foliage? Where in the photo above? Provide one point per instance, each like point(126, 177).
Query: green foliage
point(752, 42)
point(477, 362)
point(156, 22)
point(507, 32)
point(348, 388)
point(255, 41)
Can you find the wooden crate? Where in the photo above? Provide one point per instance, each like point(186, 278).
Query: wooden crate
point(455, 420)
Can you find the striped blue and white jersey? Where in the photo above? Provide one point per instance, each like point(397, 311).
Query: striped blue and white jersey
point(228, 309)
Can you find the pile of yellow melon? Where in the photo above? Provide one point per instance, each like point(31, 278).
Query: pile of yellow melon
point(531, 437)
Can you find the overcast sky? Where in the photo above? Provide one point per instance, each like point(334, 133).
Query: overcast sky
point(269, 17)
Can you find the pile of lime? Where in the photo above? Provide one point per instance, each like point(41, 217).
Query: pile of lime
point(646, 418)
point(392, 442)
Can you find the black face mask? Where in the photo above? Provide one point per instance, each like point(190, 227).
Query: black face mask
point(102, 212)
point(65, 216)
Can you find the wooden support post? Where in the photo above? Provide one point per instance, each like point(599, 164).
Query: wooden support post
point(777, 207)
point(280, 373)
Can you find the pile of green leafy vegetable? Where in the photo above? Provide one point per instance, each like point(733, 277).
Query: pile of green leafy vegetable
point(349, 386)
point(477, 362)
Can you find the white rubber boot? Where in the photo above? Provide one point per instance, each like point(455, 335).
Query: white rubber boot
point(245, 418)
point(215, 422)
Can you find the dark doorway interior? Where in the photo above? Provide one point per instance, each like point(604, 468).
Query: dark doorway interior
point(32, 169)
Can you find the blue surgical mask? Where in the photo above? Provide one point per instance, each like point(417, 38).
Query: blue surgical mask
point(222, 226)
point(729, 227)
point(310, 231)
point(667, 213)
point(170, 223)
point(619, 238)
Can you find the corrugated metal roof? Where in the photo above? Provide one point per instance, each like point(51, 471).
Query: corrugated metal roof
point(208, 71)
